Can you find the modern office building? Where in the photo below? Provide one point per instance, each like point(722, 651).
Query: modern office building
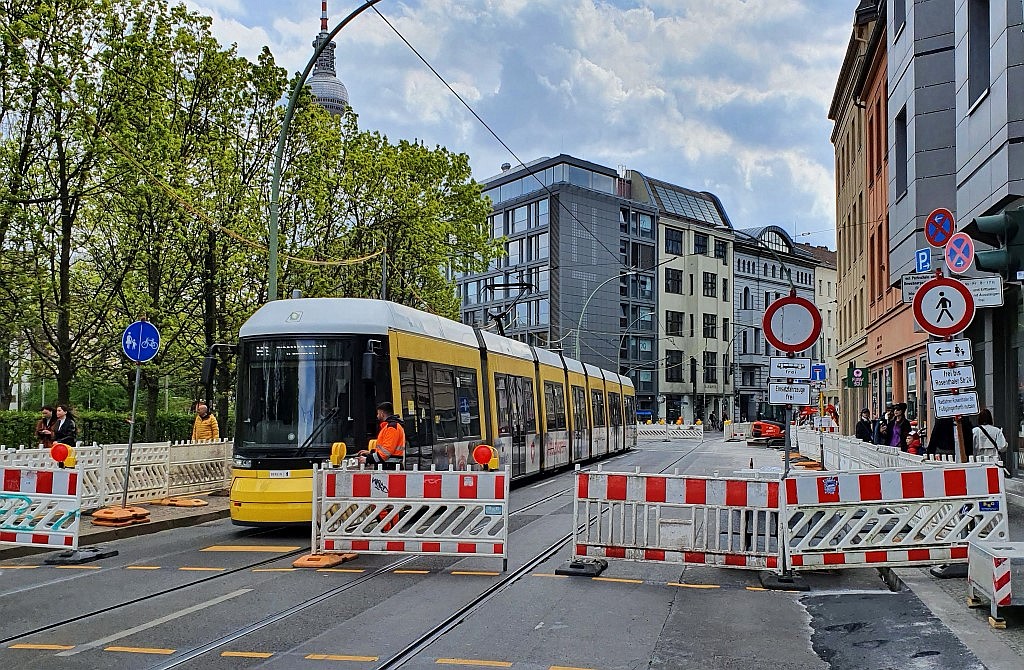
point(586, 272)
point(767, 266)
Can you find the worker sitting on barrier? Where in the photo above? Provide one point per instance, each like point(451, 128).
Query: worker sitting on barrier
point(389, 447)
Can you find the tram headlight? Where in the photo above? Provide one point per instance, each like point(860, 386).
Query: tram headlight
point(241, 462)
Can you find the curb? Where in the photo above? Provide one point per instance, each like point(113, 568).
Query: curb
point(111, 534)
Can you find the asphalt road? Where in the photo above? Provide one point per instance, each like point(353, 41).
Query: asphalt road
point(213, 597)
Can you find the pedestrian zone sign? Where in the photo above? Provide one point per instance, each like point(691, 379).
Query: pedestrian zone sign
point(944, 307)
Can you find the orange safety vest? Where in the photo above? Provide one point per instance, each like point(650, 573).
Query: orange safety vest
point(390, 439)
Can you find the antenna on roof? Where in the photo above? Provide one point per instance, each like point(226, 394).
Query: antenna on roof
point(323, 16)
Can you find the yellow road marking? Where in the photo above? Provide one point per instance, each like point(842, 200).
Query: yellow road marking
point(251, 547)
point(621, 581)
point(247, 654)
point(340, 570)
point(339, 657)
point(202, 569)
point(274, 569)
point(77, 567)
point(567, 667)
point(412, 572)
point(548, 574)
point(470, 661)
point(48, 647)
point(142, 567)
point(141, 650)
point(475, 572)
point(19, 567)
point(756, 588)
point(695, 586)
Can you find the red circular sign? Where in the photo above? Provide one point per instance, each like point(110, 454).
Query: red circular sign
point(791, 323)
point(959, 253)
point(939, 227)
point(943, 306)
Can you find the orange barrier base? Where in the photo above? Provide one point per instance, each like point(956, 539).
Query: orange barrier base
point(323, 560)
point(119, 517)
point(181, 502)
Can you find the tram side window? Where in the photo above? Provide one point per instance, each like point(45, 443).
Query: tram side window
point(469, 406)
point(504, 416)
point(630, 409)
point(442, 388)
point(554, 405)
point(415, 403)
point(598, 398)
point(579, 407)
point(614, 409)
point(529, 405)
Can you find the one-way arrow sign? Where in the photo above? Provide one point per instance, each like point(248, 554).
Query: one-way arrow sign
point(954, 351)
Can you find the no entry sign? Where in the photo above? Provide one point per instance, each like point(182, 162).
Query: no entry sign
point(944, 307)
point(792, 324)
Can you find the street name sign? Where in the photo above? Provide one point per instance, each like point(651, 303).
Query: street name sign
point(789, 368)
point(944, 307)
point(959, 253)
point(923, 258)
point(947, 379)
point(959, 404)
point(954, 351)
point(910, 283)
point(789, 394)
point(939, 227)
point(791, 323)
point(987, 291)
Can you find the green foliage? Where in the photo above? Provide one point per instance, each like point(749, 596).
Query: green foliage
point(18, 428)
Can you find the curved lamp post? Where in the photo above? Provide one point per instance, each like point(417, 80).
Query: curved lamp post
point(289, 112)
point(583, 311)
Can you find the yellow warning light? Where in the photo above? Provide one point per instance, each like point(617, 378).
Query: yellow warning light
point(338, 452)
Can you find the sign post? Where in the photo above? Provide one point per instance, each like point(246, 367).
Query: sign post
point(140, 342)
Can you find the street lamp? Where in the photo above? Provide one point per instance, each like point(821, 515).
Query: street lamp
point(583, 311)
point(275, 179)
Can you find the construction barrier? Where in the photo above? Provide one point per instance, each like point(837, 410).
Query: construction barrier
point(159, 469)
point(670, 430)
point(892, 517)
point(40, 507)
point(888, 518)
point(431, 512)
point(676, 519)
point(996, 571)
point(839, 452)
point(738, 431)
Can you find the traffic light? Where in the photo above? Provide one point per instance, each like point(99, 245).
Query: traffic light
point(1005, 230)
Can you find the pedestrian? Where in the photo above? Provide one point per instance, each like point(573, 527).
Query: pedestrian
point(899, 428)
point(44, 427)
point(914, 442)
point(989, 441)
point(712, 421)
point(205, 426)
point(390, 443)
point(864, 431)
point(883, 435)
point(64, 429)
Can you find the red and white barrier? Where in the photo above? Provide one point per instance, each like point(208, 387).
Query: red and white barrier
point(40, 507)
point(676, 519)
point(996, 571)
point(438, 512)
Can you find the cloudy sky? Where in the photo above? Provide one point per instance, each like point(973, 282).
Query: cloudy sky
point(727, 96)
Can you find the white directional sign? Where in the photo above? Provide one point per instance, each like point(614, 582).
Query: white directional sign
point(910, 284)
point(789, 394)
point(947, 379)
point(954, 351)
point(789, 368)
point(987, 291)
point(961, 404)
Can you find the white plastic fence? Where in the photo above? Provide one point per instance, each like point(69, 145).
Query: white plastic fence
point(426, 512)
point(738, 431)
point(670, 430)
point(842, 452)
point(159, 469)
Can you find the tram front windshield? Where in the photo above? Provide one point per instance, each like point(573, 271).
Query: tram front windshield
point(295, 397)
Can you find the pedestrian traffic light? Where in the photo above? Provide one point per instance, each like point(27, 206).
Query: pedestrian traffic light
point(1005, 230)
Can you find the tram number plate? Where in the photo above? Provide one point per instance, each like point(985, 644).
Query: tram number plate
point(279, 474)
point(492, 510)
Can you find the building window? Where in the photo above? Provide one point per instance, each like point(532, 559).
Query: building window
point(710, 367)
point(673, 241)
point(673, 365)
point(673, 281)
point(979, 37)
point(700, 244)
point(646, 227)
point(725, 329)
point(710, 285)
point(901, 153)
point(899, 16)
point(691, 284)
point(711, 326)
point(746, 298)
point(721, 249)
point(691, 325)
point(674, 323)
point(642, 256)
point(725, 289)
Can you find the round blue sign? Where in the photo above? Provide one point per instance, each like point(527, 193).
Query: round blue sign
point(140, 341)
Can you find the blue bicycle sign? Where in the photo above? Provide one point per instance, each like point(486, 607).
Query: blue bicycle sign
point(140, 341)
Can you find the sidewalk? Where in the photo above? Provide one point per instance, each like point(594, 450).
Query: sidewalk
point(161, 517)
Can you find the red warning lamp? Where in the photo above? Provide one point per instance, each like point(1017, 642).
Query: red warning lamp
point(486, 456)
point(62, 454)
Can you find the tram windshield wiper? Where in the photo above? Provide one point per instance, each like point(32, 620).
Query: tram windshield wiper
point(317, 429)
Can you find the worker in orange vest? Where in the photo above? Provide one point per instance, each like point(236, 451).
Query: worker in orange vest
point(390, 447)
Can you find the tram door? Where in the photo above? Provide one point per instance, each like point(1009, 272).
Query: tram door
point(511, 426)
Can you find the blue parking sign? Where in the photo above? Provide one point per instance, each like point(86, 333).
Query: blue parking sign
point(140, 341)
point(924, 260)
